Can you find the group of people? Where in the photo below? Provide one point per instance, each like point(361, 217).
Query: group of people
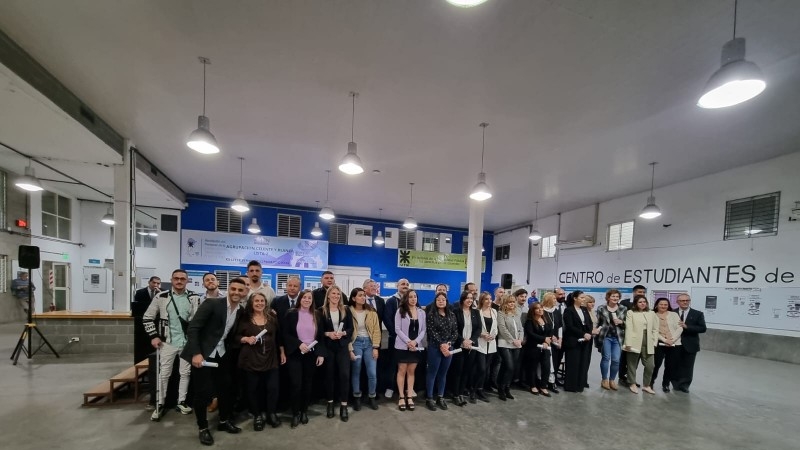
point(244, 344)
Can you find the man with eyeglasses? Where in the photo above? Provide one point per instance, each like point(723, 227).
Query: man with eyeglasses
point(693, 323)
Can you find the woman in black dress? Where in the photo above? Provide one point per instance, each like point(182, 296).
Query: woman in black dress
point(409, 324)
point(577, 341)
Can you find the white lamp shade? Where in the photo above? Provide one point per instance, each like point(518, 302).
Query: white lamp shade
point(465, 3)
point(410, 223)
point(152, 233)
point(29, 182)
point(254, 228)
point(735, 82)
point(202, 140)
point(351, 163)
point(481, 191)
point(651, 211)
point(108, 219)
point(316, 231)
point(240, 204)
point(535, 235)
point(326, 213)
point(379, 238)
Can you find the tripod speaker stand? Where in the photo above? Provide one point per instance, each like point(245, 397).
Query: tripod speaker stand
point(29, 259)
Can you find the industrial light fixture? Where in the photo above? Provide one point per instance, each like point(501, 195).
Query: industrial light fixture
point(108, 219)
point(379, 237)
point(152, 233)
point(29, 182)
point(481, 190)
point(201, 140)
point(240, 204)
point(738, 80)
point(465, 3)
point(535, 235)
point(253, 227)
point(326, 213)
point(351, 163)
point(651, 211)
point(410, 222)
point(316, 231)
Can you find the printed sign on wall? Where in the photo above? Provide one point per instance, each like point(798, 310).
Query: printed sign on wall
point(434, 260)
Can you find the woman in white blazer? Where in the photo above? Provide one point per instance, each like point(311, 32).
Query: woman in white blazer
point(669, 338)
point(641, 335)
point(487, 345)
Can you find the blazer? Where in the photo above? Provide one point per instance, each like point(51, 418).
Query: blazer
point(485, 346)
point(389, 314)
point(401, 325)
point(281, 305)
point(536, 334)
point(605, 320)
point(264, 355)
point(695, 324)
point(291, 343)
point(141, 300)
point(475, 332)
point(318, 295)
point(326, 324)
point(675, 330)
point(635, 325)
point(207, 327)
point(508, 329)
point(573, 328)
point(557, 319)
point(380, 307)
point(373, 325)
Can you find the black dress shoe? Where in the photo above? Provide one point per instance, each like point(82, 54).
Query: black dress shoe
point(356, 403)
point(343, 413)
point(303, 418)
point(331, 413)
point(258, 423)
point(373, 403)
point(508, 394)
point(665, 388)
point(295, 420)
point(228, 427)
point(430, 404)
point(472, 398)
point(553, 388)
point(441, 403)
point(501, 394)
point(205, 437)
point(684, 389)
point(273, 420)
point(481, 396)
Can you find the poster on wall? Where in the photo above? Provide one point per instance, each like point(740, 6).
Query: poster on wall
point(776, 308)
point(312, 282)
point(225, 249)
point(433, 260)
point(195, 282)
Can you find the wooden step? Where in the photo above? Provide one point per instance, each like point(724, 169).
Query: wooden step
point(99, 391)
point(106, 389)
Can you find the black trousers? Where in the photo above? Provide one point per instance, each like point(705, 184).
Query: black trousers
point(493, 370)
point(623, 365)
point(538, 362)
point(508, 358)
point(481, 367)
point(522, 369)
point(141, 341)
point(387, 367)
point(666, 356)
point(337, 374)
point(558, 356)
point(463, 370)
point(301, 375)
point(261, 389)
point(576, 366)
point(684, 368)
point(210, 380)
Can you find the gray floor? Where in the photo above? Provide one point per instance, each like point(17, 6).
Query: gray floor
point(735, 402)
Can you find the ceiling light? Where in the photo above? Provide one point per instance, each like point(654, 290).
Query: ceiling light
point(108, 219)
point(410, 222)
point(29, 182)
point(326, 213)
point(737, 80)
point(481, 190)
point(351, 163)
point(152, 233)
point(142, 233)
point(535, 235)
point(465, 3)
point(379, 237)
point(202, 140)
point(316, 231)
point(240, 204)
point(651, 211)
point(253, 227)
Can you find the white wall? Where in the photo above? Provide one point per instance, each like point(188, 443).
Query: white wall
point(695, 211)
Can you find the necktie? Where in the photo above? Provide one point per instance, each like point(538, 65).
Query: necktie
point(152, 293)
point(371, 302)
point(681, 315)
point(291, 303)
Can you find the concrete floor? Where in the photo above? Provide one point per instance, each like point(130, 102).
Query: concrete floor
point(736, 402)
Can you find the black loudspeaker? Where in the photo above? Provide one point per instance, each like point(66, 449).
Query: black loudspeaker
point(169, 222)
point(506, 281)
point(29, 257)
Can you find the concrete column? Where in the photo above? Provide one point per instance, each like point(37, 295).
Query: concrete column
point(123, 275)
point(475, 243)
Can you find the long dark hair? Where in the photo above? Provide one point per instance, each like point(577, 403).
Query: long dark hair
point(433, 309)
point(532, 313)
point(662, 299)
point(635, 307)
point(403, 307)
point(353, 293)
point(571, 298)
point(463, 298)
point(249, 312)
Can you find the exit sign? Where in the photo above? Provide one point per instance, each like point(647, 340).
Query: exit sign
point(22, 223)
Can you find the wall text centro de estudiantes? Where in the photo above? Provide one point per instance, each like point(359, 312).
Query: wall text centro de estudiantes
point(728, 274)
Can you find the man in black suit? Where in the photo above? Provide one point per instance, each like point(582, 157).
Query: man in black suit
point(373, 299)
point(389, 312)
point(285, 302)
point(693, 323)
point(319, 293)
point(208, 341)
point(628, 304)
point(141, 301)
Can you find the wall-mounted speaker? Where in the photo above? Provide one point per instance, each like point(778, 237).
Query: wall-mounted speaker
point(506, 280)
point(29, 257)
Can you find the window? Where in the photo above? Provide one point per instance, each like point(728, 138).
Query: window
point(282, 279)
point(3, 201)
point(56, 216)
point(465, 246)
point(502, 252)
point(620, 236)
point(430, 242)
point(224, 277)
point(338, 233)
point(752, 217)
point(289, 225)
point(227, 221)
point(407, 240)
point(146, 236)
point(548, 247)
point(361, 231)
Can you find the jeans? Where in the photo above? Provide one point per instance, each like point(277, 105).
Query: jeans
point(611, 356)
point(363, 347)
point(508, 357)
point(437, 371)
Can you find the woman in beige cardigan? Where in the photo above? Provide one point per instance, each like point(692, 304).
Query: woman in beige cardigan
point(641, 335)
point(364, 347)
point(669, 338)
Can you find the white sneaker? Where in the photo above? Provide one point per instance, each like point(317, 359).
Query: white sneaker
point(183, 408)
point(388, 394)
point(158, 413)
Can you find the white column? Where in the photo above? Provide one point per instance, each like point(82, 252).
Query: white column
point(123, 276)
point(475, 243)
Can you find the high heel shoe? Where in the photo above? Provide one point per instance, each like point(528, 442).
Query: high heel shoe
point(410, 404)
point(295, 420)
point(343, 413)
point(401, 404)
point(331, 413)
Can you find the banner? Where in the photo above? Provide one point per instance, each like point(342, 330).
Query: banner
point(224, 249)
point(433, 260)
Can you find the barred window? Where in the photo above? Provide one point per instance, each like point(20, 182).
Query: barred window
point(620, 236)
point(227, 221)
point(752, 217)
point(289, 225)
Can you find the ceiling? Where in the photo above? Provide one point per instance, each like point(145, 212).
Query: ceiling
point(580, 95)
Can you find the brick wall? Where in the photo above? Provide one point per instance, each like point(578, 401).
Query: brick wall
point(96, 335)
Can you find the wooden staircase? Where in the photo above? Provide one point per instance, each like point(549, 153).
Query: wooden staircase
point(103, 393)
